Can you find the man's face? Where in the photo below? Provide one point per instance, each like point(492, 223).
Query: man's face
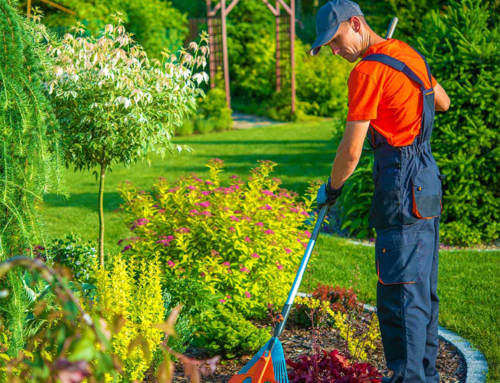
point(346, 42)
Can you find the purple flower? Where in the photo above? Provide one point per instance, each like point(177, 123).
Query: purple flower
point(128, 247)
point(203, 204)
point(269, 231)
point(248, 295)
point(139, 222)
point(244, 270)
point(227, 264)
point(202, 274)
point(259, 224)
point(237, 212)
point(255, 255)
point(120, 241)
point(170, 263)
point(165, 242)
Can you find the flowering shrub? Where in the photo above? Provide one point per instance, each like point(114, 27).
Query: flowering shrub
point(331, 367)
point(224, 331)
point(243, 241)
point(337, 298)
point(139, 302)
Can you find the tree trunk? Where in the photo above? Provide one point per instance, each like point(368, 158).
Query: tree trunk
point(101, 210)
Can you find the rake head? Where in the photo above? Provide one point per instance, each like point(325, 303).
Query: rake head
point(264, 368)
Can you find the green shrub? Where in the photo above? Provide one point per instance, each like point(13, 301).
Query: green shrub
point(225, 331)
point(243, 241)
point(214, 107)
point(204, 126)
point(186, 129)
point(463, 51)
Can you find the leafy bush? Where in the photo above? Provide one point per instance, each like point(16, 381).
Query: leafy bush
point(466, 141)
point(243, 241)
point(214, 107)
point(224, 331)
point(185, 129)
point(80, 257)
point(204, 126)
point(121, 294)
point(329, 367)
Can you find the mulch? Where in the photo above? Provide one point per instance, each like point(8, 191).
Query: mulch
point(296, 340)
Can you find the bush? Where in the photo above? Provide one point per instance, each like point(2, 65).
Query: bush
point(243, 241)
point(466, 141)
point(214, 107)
point(121, 293)
point(186, 129)
point(329, 367)
point(224, 331)
point(204, 126)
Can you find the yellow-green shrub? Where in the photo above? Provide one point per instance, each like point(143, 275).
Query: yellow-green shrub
point(243, 241)
point(134, 293)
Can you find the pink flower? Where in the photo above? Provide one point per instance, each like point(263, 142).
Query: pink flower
point(228, 296)
point(202, 274)
point(288, 250)
point(183, 230)
point(244, 270)
point(292, 209)
point(214, 253)
point(209, 182)
point(203, 204)
point(173, 190)
point(160, 211)
point(191, 187)
point(267, 192)
point(206, 213)
point(267, 207)
point(269, 305)
point(222, 300)
point(165, 242)
point(255, 255)
point(171, 264)
point(308, 234)
point(269, 231)
point(234, 176)
point(259, 224)
point(128, 247)
point(227, 264)
point(248, 295)
point(193, 212)
point(304, 213)
point(232, 229)
point(139, 222)
point(247, 239)
point(280, 267)
point(246, 218)
point(237, 212)
point(206, 192)
point(233, 218)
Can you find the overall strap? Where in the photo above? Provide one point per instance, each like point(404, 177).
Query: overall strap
point(398, 65)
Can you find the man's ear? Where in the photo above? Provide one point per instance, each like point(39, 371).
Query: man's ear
point(355, 24)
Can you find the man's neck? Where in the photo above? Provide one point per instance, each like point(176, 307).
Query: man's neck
point(371, 39)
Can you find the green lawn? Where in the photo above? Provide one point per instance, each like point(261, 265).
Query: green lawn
point(469, 285)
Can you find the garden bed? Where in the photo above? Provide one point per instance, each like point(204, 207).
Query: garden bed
point(296, 341)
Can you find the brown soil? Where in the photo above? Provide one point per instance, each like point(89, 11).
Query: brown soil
point(296, 341)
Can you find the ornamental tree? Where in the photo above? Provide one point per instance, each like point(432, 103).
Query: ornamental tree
point(114, 104)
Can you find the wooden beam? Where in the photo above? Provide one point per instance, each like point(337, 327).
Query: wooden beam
point(287, 8)
point(231, 6)
point(29, 9)
point(213, 12)
point(224, 53)
point(60, 7)
point(271, 8)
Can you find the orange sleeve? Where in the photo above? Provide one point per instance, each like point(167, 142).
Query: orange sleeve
point(434, 82)
point(364, 97)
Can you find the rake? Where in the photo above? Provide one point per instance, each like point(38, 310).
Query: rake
point(269, 365)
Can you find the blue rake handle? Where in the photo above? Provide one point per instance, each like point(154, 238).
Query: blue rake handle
point(298, 278)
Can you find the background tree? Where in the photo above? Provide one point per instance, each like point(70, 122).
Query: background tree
point(29, 160)
point(115, 105)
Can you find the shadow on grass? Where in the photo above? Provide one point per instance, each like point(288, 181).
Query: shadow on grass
point(112, 201)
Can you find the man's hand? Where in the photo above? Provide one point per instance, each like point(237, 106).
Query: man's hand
point(327, 195)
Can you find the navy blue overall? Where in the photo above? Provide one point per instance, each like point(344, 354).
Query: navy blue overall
point(405, 212)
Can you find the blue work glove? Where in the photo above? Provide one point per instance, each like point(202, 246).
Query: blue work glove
point(327, 195)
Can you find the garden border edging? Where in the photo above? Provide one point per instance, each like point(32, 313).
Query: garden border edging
point(475, 363)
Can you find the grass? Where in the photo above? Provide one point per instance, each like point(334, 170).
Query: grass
point(469, 280)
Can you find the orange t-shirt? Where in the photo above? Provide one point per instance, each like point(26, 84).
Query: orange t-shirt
point(387, 97)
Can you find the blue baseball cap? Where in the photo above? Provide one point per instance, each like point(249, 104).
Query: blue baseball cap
point(328, 21)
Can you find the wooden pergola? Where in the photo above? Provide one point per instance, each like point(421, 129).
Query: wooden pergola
point(225, 9)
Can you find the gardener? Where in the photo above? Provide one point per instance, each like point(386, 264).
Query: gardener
point(392, 99)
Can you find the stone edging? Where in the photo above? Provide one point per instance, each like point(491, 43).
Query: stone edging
point(476, 365)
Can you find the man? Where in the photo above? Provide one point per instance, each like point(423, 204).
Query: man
point(393, 98)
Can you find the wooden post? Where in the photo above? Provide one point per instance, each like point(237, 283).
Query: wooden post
point(29, 9)
point(224, 53)
point(211, 44)
point(292, 51)
point(278, 69)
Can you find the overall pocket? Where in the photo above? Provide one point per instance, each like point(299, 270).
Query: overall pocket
point(397, 262)
point(385, 210)
point(427, 194)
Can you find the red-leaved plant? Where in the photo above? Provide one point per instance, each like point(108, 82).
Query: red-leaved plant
point(328, 367)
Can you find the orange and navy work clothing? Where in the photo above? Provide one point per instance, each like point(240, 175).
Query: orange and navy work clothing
point(387, 97)
point(392, 86)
